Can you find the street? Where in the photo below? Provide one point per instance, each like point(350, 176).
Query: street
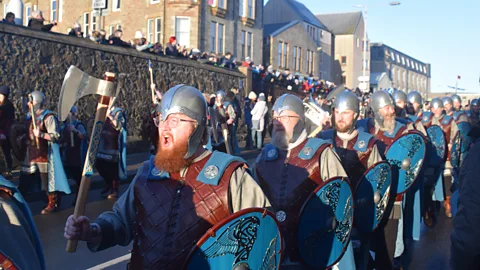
point(431, 252)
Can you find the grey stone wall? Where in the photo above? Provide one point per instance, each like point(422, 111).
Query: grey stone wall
point(34, 60)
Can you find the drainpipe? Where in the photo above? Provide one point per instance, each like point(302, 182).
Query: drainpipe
point(236, 17)
point(164, 44)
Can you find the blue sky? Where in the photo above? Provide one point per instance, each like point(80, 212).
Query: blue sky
point(443, 33)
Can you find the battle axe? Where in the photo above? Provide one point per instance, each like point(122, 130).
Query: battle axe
point(76, 85)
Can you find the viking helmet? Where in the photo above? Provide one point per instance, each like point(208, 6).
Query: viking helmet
point(447, 100)
point(222, 94)
point(474, 102)
point(295, 104)
point(347, 100)
point(378, 100)
point(399, 95)
point(415, 97)
point(189, 101)
point(436, 103)
point(456, 98)
point(39, 98)
point(74, 110)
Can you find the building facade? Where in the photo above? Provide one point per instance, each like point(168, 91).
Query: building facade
point(295, 39)
point(348, 30)
point(218, 26)
point(404, 72)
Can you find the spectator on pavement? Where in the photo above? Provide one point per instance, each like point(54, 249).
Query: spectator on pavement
point(37, 22)
point(258, 121)
point(103, 37)
point(158, 49)
point(172, 47)
point(141, 43)
point(9, 18)
point(96, 37)
point(116, 39)
point(248, 62)
point(76, 30)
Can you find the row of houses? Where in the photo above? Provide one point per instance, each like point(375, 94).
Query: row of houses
point(282, 33)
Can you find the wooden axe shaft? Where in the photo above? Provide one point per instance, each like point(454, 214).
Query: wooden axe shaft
point(225, 137)
point(151, 82)
point(34, 123)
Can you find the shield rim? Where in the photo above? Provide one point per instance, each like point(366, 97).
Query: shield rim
point(454, 139)
point(444, 159)
point(362, 179)
point(414, 132)
point(212, 231)
point(341, 178)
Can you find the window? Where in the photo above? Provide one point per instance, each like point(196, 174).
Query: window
point(182, 31)
point(321, 33)
point(28, 14)
point(119, 27)
point(216, 37)
point(344, 80)
point(115, 5)
point(285, 58)
point(221, 29)
point(280, 49)
point(358, 43)
point(150, 29)
point(5, 7)
point(309, 62)
point(241, 11)
point(158, 29)
point(393, 55)
point(111, 30)
point(221, 4)
point(94, 22)
point(416, 66)
point(408, 62)
point(54, 11)
point(296, 60)
point(398, 58)
point(367, 67)
point(249, 44)
point(344, 60)
point(243, 39)
point(86, 22)
point(250, 8)
point(403, 60)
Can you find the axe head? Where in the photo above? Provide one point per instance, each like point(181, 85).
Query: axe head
point(78, 84)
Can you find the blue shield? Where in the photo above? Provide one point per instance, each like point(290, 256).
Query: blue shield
point(372, 196)
point(406, 155)
point(250, 237)
point(438, 148)
point(461, 144)
point(325, 223)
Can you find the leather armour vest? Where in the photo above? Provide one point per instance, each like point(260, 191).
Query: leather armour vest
point(287, 182)
point(73, 154)
point(353, 161)
point(385, 139)
point(38, 154)
point(174, 213)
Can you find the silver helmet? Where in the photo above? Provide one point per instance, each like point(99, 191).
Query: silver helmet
point(347, 100)
point(474, 102)
point(378, 100)
point(39, 98)
point(187, 100)
point(295, 104)
point(456, 98)
point(436, 103)
point(399, 95)
point(74, 110)
point(447, 100)
point(222, 94)
point(415, 97)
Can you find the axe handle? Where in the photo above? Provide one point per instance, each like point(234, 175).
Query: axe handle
point(72, 138)
point(151, 82)
point(225, 137)
point(34, 122)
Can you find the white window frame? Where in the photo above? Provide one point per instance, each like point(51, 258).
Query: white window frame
point(118, 27)
point(152, 2)
point(252, 16)
point(241, 7)
point(250, 53)
point(403, 60)
point(116, 3)
point(111, 29)
point(5, 7)
point(217, 3)
point(92, 23)
point(158, 33)
point(189, 30)
point(243, 44)
point(86, 23)
point(150, 30)
point(57, 13)
point(27, 18)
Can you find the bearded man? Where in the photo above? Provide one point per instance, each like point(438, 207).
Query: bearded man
point(289, 170)
point(177, 196)
point(459, 115)
point(400, 99)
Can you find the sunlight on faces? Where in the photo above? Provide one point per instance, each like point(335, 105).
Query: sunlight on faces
point(436, 110)
point(283, 127)
point(457, 105)
point(388, 115)
point(344, 120)
point(173, 142)
point(447, 106)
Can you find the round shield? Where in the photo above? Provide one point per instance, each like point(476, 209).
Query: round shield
point(461, 144)
point(371, 196)
point(18, 140)
point(406, 155)
point(325, 224)
point(249, 238)
point(438, 151)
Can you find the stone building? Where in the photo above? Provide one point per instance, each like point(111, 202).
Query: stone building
point(295, 39)
point(403, 71)
point(218, 26)
point(349, 31)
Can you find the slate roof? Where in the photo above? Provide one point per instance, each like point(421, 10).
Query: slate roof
point(305, 14)
point(277, 28)
point(341, 23)
point(376, 77)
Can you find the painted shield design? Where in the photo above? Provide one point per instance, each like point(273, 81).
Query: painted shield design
point(371, 196)
point(461, 144)
point(325, 224)
point(406, 155)
point(438, 148)
point(249, 238)
point(18, 140)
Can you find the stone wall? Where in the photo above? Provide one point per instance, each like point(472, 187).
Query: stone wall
point(34, 60)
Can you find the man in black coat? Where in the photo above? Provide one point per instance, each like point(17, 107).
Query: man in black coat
point(36, 22)
point(7, 116)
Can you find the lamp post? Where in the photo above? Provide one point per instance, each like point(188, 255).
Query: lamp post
point(365, 16)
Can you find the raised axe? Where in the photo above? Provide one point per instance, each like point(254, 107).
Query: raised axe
point(76, 85)
point(34, 119)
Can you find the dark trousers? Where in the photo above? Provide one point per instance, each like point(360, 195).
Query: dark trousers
point(75, 173)
point(6, 147)
point(447, 185)
point(108, 171)
point(383, 243)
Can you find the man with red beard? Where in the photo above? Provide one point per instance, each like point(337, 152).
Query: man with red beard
point(288, 178)
point(177, 196)
point(357, 151)
point(387, 129)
